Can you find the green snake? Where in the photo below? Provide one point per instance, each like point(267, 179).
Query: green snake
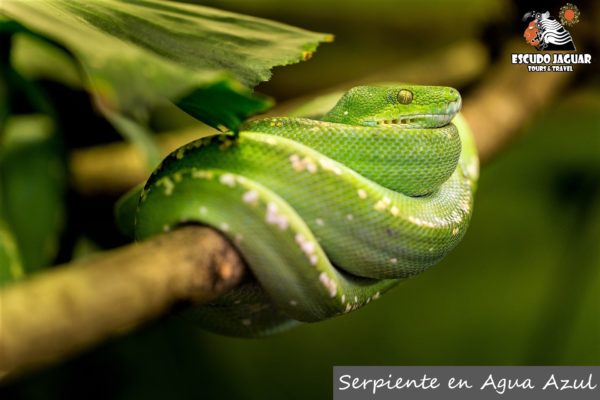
point(328, 212)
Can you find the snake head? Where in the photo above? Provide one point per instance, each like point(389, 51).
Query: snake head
point(399, 105)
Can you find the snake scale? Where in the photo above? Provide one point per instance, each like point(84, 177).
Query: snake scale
point(328, 213)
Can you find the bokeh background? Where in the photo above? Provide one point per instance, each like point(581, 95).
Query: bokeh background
point(522, 288)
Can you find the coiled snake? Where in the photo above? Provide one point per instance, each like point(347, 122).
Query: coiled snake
point(328, 213)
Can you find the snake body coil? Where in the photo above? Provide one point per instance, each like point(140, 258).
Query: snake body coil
point(327, 213)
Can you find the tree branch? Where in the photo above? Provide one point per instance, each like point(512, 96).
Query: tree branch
point(56, 313)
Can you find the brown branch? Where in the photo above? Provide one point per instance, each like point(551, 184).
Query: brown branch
point(63, 310)
point(114, 168)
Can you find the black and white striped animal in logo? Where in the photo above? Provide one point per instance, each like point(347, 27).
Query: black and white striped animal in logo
point(546, 33)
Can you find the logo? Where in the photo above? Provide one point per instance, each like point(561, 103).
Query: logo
point(545, 33)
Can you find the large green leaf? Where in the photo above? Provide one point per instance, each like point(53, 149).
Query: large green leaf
point(138, 54)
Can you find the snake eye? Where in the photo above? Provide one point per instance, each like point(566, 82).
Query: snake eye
point(405, 96)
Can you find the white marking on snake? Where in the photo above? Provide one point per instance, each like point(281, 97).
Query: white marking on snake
point(200, 174)
point(394, 260)
point(166, 228)
point(203, 210)
point(310, 165)
point(395, 211)
point(348, 308)
point(168, 185)
point(329, 165)
point(422, 222)
point(227, 180)
point(297, 165)
point(308, 248)
point(455, 231)
point(376, 296)
point(349, 217)
point(319, 222)
point(382, 204)
point(224, 227)
point(343, 298)
point(362, 193)
point(293, 303)
point(273, 217)
point(300, 165)
point(250, 197)
point(328, 283)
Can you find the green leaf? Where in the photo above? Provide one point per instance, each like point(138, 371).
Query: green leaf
point(32, 183)
point(213, 102)
point(136, 55)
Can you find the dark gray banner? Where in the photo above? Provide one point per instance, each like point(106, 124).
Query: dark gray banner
point(464, 383)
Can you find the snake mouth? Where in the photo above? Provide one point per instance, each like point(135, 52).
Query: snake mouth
point(429, 120)
point(415, 121)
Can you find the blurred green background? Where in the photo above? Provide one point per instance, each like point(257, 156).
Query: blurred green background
point(522, 288)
